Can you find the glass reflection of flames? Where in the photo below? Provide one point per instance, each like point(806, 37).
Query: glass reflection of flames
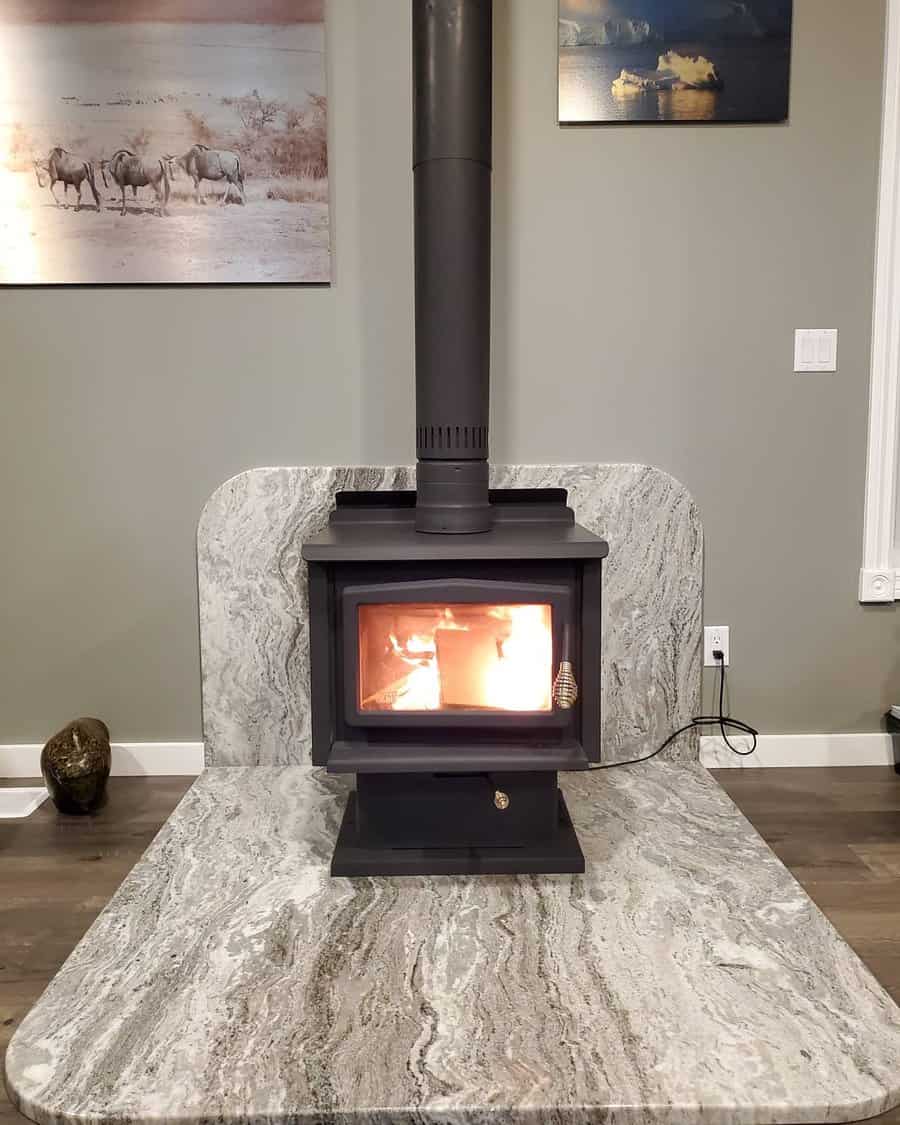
point(492, 657)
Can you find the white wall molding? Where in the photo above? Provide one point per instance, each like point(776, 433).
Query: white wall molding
point(879, 579)
point(185, 759)
point(129, 759)
point(879, 584)
point(873, 749)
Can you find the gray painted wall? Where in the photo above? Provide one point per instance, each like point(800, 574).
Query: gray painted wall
point(122, 411)
point(647, 284)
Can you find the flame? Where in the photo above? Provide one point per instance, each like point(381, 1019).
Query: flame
point(504, 663)
point(520, 680)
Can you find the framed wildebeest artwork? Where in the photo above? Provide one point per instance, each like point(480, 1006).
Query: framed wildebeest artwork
point(670, 61)
point(163, 142)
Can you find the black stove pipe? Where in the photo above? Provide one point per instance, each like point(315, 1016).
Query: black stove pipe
point(452, 184)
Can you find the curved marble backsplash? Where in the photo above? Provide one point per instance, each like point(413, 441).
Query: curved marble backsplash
point(254, 619)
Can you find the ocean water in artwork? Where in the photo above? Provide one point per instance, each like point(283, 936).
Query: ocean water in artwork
point(685, 60)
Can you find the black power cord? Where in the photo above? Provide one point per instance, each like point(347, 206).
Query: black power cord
point(722, 721)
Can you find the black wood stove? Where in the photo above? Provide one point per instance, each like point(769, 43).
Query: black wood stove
point(454, 631)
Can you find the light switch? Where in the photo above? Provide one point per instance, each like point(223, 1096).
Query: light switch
point(815, 349)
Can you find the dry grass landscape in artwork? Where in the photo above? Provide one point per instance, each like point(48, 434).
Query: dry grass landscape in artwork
point(165, 114)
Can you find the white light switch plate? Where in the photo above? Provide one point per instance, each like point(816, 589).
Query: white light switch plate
point(815, 349)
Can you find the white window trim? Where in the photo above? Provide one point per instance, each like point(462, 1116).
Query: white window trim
point(879, 578)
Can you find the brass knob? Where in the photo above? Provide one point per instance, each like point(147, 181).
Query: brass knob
point(501, 800)
point(565, 688)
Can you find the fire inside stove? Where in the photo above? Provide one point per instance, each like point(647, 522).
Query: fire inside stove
point(455, 657)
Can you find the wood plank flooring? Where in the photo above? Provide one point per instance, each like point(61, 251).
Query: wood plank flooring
point(838, 830)
point(56, 875)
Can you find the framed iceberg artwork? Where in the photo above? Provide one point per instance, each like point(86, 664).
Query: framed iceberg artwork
point(670, 61)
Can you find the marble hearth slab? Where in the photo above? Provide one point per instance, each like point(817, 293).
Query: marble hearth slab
point(254, 621)
point(685, 977)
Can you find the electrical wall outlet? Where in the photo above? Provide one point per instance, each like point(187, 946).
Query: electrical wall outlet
point(715, 638)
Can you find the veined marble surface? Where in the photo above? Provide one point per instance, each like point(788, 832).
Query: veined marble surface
point(685, 977)
point(254, 616)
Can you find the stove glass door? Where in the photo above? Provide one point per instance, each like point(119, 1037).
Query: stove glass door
point(455, 657)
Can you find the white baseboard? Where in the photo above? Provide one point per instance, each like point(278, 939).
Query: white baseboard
point(185, 759)
point(873, 749)
point(129, 759)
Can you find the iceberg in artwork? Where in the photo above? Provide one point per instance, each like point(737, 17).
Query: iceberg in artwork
point(701, 20)
point(619, 32)
point(673, 72)
point(569, 31)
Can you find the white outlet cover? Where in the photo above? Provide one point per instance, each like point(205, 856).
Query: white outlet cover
point(815, 349)
point(716, 637)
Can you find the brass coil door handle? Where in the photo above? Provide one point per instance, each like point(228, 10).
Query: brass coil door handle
point(565, 686)
point(501, 800)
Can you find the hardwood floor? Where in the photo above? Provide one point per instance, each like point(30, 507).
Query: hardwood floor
point(838, 830)
point(56, 875)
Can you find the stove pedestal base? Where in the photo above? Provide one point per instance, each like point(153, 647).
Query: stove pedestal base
point(560, 856)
